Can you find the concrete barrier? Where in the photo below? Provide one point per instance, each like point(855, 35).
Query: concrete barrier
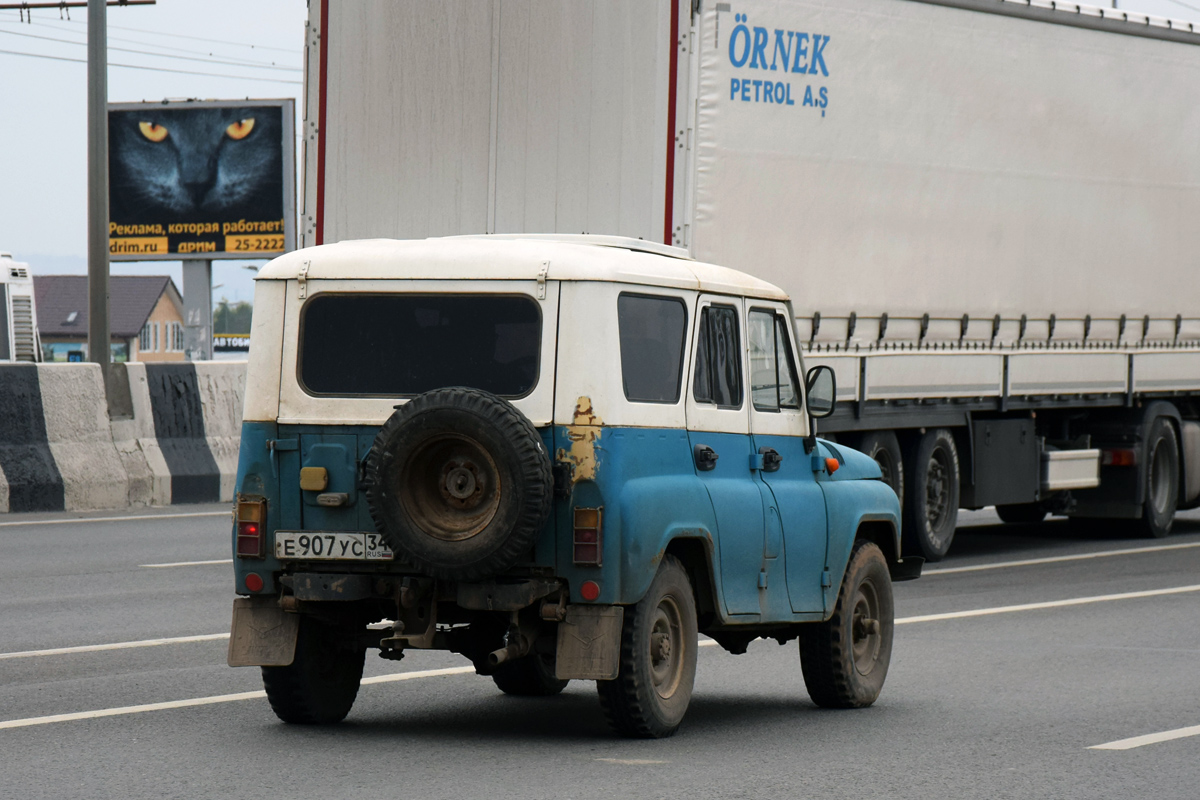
point(80, 440)
point(167, 433)
point(56, 447)
point(222, 387)
point(31, 480)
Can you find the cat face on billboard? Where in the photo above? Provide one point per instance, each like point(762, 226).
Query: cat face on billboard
point(191, 163)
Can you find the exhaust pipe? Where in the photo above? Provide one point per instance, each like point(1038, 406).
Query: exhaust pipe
point(517, 646)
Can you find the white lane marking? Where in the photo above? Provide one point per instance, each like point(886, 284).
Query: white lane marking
point(93, 648)
point(631, 761)
point(1074, 601)
point(1056, 559)
point(1149, 738)
point(977, 612)
point(68, 521)
point(208, 701)
point(405, 676)
point(188, 563)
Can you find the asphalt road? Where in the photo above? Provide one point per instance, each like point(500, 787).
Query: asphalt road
point(991, 704)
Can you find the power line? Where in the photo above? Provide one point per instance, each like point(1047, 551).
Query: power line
point(172, 48)
point(157, 55)
point(1185, 5)
point(154, 69)
point(195, 38)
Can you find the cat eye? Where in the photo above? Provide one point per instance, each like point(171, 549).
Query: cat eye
point(240, 129)
point(152, 131)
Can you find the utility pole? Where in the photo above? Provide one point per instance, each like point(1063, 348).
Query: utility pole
point(197, 309)
point(97, 149)
point(98, 327)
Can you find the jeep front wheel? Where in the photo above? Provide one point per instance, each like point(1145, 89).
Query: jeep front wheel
point(845, 659)
point(658, 659)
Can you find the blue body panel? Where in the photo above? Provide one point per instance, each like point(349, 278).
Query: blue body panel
point(775, 534)
point(739, 508)
point(806, 533)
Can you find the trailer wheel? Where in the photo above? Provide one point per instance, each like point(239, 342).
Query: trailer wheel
point(884, 447)
point(321, 683)
point(1162, 479)
point(1021, 513)
point(845, 659)
point(931, 507)
point(658, 659)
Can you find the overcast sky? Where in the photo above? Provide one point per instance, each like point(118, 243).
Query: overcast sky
point(43, 105)
point(43, 108)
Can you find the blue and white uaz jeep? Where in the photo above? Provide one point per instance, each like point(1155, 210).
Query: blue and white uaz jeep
point(563, 458)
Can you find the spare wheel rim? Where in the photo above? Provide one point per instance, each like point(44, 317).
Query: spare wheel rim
point(449, 486)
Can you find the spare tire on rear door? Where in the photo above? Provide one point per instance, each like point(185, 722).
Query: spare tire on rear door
point(459, 483)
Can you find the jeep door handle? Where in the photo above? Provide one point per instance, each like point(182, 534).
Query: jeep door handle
point(705, 456)
point(770, 459)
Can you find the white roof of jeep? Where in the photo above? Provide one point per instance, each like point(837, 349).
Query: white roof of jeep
point(517, 257)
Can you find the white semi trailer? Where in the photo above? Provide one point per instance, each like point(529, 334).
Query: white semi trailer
point(985, 211)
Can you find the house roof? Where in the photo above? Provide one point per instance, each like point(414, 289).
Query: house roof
point(131, 299)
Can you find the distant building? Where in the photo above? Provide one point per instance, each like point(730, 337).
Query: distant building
point(145, 317)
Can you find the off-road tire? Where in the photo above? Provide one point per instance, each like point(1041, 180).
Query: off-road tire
point(1162, 480)
point(930, 509)
point(651, 694)
point(321, 683)
point(884, 448)
point(1021, 513)
point(531, 676)
point(459, 483)
point(844, 664)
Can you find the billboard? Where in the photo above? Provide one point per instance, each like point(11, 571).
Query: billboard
point(201, 179)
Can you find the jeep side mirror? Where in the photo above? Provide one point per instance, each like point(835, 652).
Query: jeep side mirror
point(822, 391)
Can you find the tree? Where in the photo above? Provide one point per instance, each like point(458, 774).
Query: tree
point(232, 318)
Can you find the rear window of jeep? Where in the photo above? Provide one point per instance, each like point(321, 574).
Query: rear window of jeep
point(398, 345)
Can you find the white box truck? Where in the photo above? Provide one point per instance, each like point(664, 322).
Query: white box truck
point(985, 211)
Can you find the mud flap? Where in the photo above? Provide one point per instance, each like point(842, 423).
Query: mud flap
point(589, 643)
point(263, 634)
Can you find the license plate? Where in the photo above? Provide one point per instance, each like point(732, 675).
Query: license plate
point(320, 546)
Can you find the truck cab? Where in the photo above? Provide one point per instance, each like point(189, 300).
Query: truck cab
point(563, 457)
point(18, 314)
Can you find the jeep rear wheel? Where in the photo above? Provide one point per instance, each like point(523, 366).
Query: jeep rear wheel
point(658, 659)
point(459, 483)
point(321, 683)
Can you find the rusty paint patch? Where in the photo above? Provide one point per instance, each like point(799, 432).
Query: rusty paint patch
point(583, 432)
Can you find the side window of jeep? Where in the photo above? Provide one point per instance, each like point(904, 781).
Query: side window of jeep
point(772, 374)
point(718, 378)
point(652, 330)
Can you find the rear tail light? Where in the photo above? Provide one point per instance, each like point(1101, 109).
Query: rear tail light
point(588, 539)
point(251, 519)
point(1119, 457)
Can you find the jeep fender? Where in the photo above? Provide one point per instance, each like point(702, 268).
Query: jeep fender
point(654, 511)
point(869, 506)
